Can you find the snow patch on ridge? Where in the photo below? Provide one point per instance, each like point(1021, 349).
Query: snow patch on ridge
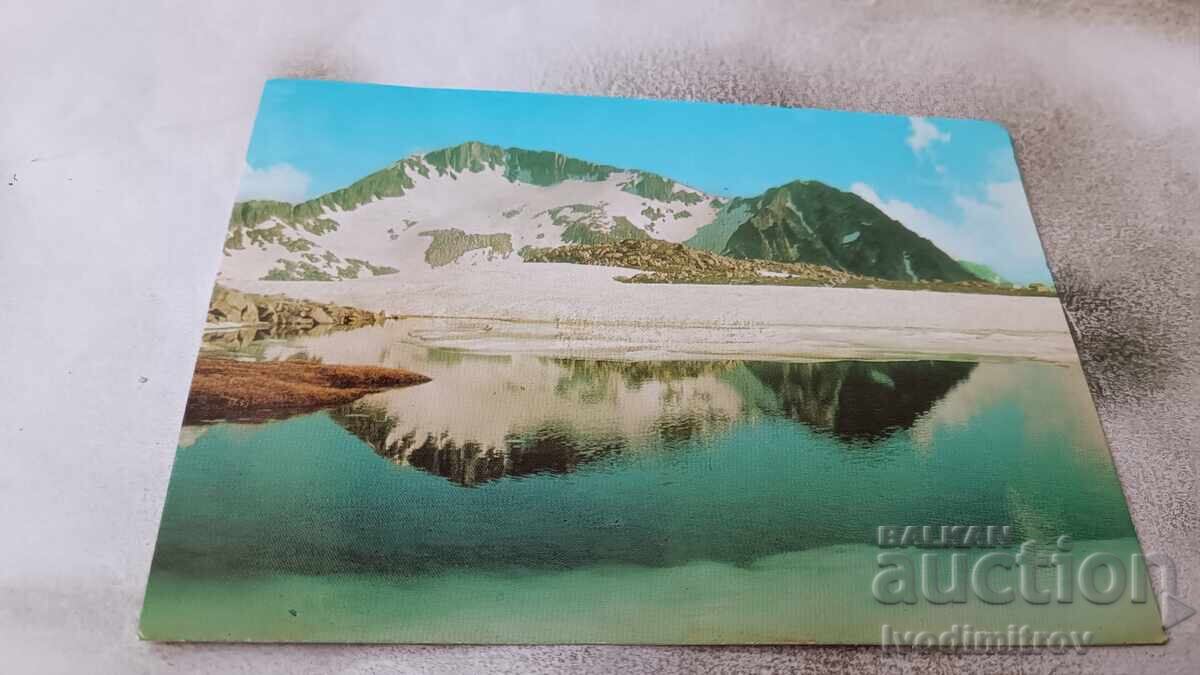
point(386, 232)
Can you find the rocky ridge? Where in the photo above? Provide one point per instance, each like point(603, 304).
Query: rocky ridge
point(228, 306)
point(667, 262)
point(663, 262)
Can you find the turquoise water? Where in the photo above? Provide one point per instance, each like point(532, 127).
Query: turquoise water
point(518, 498)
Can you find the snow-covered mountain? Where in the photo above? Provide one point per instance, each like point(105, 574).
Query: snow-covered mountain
point(465, 206)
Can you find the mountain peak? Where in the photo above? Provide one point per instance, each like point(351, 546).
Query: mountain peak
point(809, 186)
point(471, 156)
point(809, 221)
point(536, 167)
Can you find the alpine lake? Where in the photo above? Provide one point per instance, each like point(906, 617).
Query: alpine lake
point(522, 498)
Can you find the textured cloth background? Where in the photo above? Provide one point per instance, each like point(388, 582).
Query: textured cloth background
point(122, 133)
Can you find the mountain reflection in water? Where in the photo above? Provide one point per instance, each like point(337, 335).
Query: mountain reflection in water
point(644, 406)
point(513, 461)
point(550, 449)
point(859, 401)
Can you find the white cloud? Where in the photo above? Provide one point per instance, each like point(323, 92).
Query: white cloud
point(996, 230)
point(947, 236)
point(923, 133)
point(282, 182)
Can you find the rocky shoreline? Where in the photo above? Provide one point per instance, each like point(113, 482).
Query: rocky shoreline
point(229, 308)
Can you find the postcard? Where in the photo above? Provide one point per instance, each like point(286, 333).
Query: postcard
point(487, 367)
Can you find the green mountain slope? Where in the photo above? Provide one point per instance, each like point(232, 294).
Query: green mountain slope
point(713, 236)
point(984, 272)
point(808, 221)
point(653, 186)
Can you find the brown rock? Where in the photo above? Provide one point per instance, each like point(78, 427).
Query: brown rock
point(320, 316)
point(232, 307)
point(225, 389)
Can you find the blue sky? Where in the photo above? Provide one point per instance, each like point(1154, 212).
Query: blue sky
point(953, 181)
